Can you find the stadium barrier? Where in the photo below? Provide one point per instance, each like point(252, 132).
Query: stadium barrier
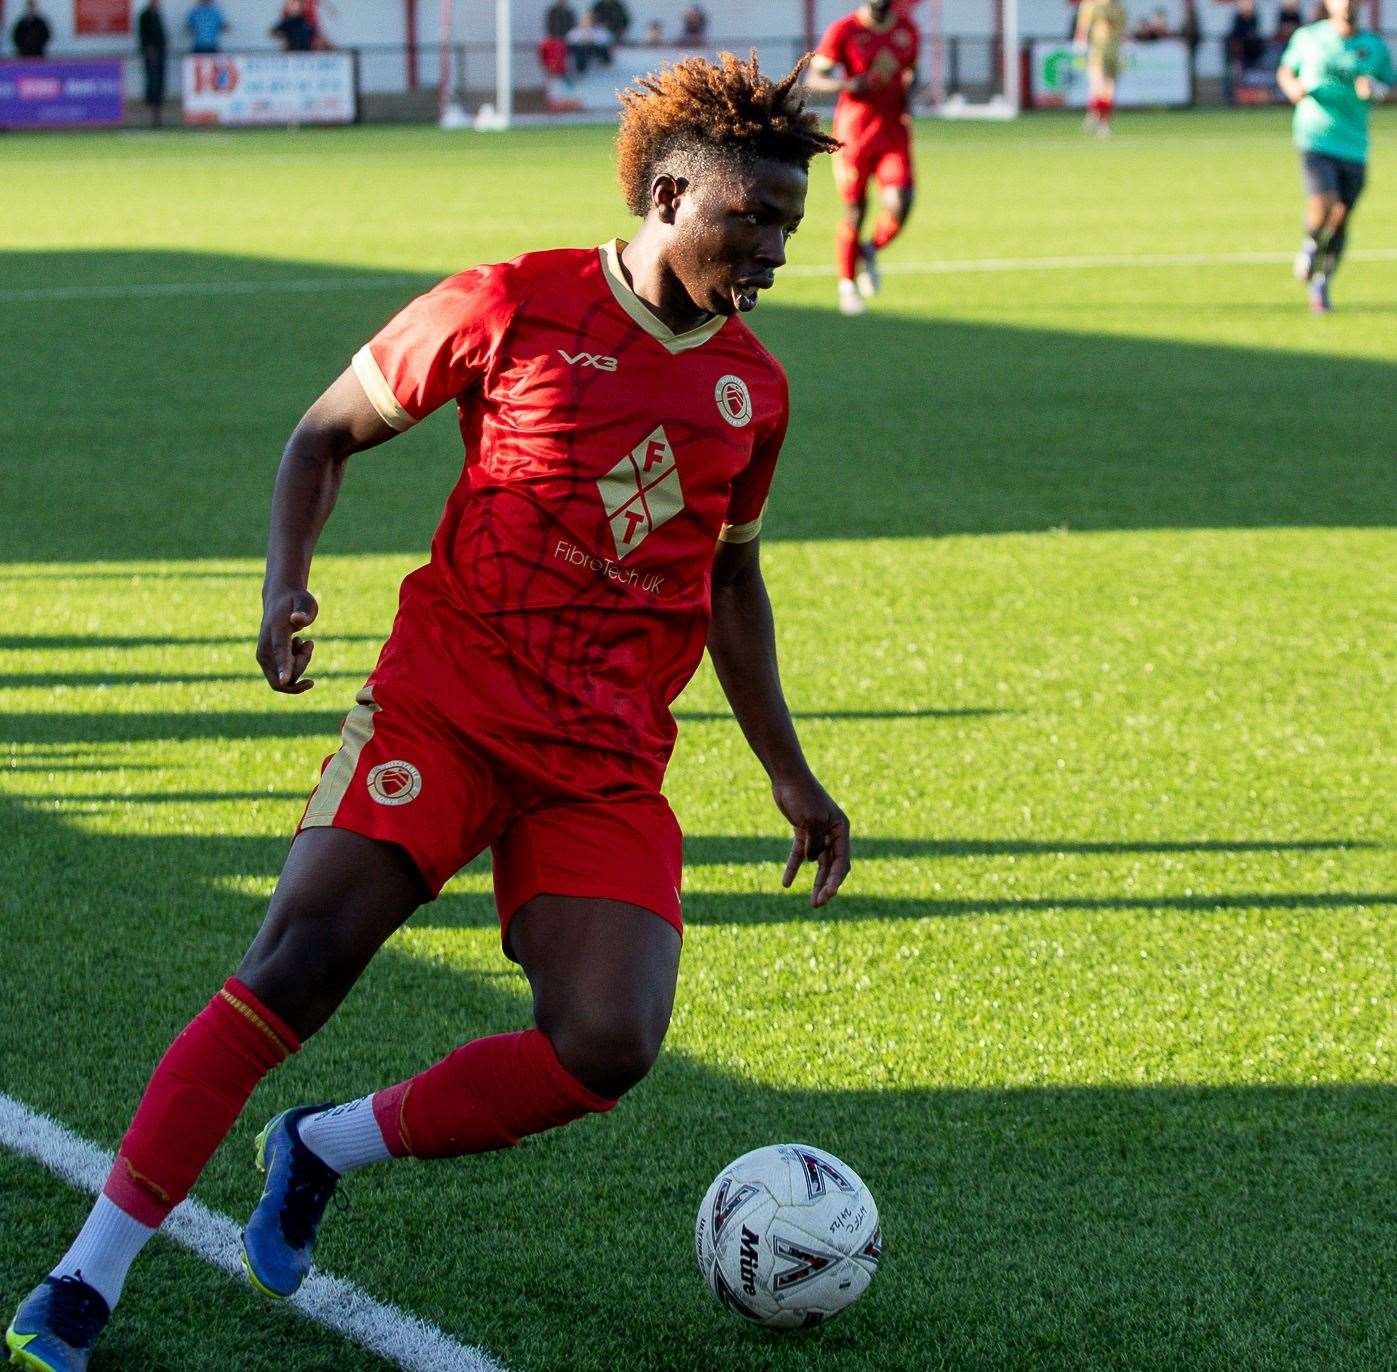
point(395, 82)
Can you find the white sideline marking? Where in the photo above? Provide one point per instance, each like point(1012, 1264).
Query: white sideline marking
point(950, 266)
point(331, 1301)
point(139, 290)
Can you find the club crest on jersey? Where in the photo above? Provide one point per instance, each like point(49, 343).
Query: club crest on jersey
point(641, 492)
point(734, 400)
point(394, 783)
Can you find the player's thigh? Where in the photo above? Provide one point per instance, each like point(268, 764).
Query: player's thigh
point(895, 179)
point(853, 169)
point(339, 896)
point(603, 974)
point(1353, 177)
point(589, 901)
point(1322, 178)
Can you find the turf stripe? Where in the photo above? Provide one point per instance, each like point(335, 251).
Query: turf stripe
point(946, 267)
point(331, 1301)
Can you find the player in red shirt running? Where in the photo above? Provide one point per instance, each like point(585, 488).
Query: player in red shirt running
point(877, 47)
point(621, 426)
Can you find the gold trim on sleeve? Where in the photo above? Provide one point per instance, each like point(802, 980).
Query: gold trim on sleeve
point(742, 533)
point(628, 300)
point(357, 730)
point(379, 392)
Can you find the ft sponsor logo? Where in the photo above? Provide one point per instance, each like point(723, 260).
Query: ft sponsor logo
point(574, 556)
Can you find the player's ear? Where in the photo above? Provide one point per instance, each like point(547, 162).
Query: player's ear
point(666, 192)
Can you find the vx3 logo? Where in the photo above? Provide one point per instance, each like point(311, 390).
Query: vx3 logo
point(602, 364)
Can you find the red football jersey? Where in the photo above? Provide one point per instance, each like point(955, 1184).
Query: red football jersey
point(880, 55)
point(567, 596)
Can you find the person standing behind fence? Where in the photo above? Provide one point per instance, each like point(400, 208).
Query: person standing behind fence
point(207, 25)
point(613, 16)
point(31, 32)
point(1101, 25)
point(559, 20)
point(154, 43)
point(294, 31)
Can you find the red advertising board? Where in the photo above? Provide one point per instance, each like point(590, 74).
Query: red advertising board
point(101, 16)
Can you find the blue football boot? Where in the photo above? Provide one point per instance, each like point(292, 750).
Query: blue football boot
point(56, 1325)
point(280, 1236)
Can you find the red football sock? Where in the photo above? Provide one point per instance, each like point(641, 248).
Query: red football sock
point(1105, 110)
point(885, 230)
point(846, 250)
point(488, 1094)
point(195, 1094)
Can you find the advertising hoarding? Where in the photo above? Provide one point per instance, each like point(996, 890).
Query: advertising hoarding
point(1151, 74)
point(269, 88)
point(60, 95)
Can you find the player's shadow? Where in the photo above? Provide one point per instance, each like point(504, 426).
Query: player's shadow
point(1112, 1226)
point(901, 426)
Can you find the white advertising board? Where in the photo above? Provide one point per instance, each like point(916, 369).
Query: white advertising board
point(269, 88)
point(1151, 74)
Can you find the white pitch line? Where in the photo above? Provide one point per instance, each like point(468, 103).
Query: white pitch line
point(331, 1301)
point(953, 266)
point(950, 266)
point(270, 285)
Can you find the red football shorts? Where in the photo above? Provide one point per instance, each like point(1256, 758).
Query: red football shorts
point(406, 774)
point(889, 161)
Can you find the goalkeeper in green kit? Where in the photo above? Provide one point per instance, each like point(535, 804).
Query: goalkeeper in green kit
point(1331, 72)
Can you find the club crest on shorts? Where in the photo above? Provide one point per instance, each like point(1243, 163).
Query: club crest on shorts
point(394, 783)
point(734, 400)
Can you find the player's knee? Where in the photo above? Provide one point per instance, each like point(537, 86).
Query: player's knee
point(608, 1051)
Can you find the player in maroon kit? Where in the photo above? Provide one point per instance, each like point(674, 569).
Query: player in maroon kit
point(621, 426)
point(877, 47)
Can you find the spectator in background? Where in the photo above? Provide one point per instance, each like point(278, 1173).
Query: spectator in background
point(589, 43)
point(1153, 28)
point(654, 34)
point(311, 9)
point(1288, 20)
point(293, 28)
point(694, 24)
point(1191, 30)
point(206, 25)
point(613, 16)
point(559, 20)
point(31, 32)
point(154, 43)
point(1244, 41)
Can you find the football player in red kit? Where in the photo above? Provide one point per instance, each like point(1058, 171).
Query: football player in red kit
point(877, 47)
point(621, 426)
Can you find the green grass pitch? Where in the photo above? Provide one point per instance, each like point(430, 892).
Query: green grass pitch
point(1084, 579)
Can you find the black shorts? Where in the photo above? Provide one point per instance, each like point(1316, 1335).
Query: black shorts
point(1333, 176)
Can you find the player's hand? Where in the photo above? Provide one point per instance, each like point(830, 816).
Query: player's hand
point(857, 85)
point(283, 656)
point(821, 836)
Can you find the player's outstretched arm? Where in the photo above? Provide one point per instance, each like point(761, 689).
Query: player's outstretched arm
point(742, 644)
point(341, 423)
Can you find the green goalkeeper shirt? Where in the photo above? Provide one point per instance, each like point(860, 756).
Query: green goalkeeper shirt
point(1331, 119)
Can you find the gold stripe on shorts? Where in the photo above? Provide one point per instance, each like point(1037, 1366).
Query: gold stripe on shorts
point(357, 730)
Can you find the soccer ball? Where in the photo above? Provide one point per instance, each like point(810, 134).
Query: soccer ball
point(787, 1236)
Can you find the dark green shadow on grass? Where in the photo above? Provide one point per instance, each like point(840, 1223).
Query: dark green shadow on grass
point(163, 437)
point(1116, 1227)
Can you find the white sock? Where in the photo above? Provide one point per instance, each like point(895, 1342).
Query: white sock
point(104, 1249)
point(346, 1136)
